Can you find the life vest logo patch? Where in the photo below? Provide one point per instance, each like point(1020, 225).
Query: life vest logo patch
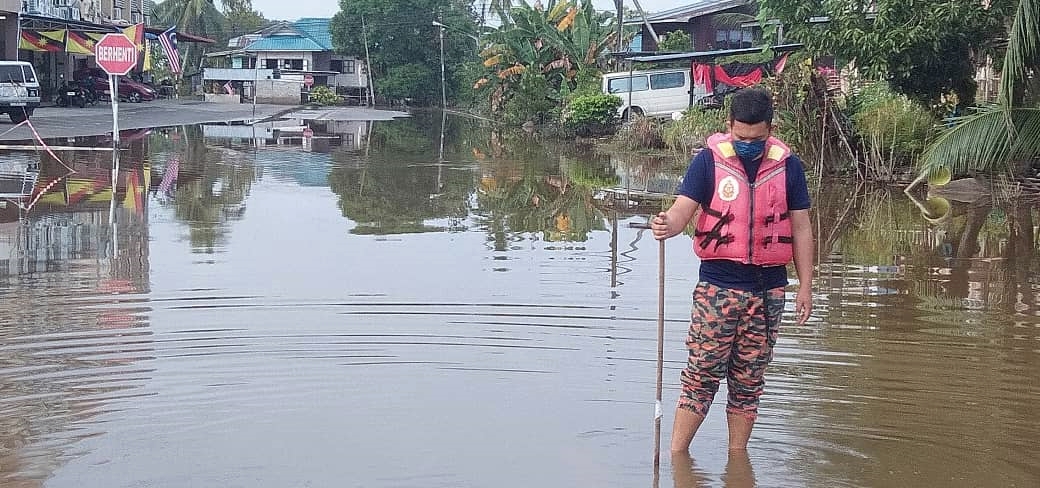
point(729, 189)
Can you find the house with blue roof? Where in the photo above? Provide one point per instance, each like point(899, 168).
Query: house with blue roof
point(285, 51)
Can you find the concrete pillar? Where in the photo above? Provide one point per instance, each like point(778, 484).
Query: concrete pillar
point(9, 36)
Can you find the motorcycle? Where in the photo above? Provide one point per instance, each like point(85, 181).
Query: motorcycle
point(90, 96)
point(71, 94)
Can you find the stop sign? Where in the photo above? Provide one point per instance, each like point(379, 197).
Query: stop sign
point(116, 54)
point(308, 80)
point(308, 132)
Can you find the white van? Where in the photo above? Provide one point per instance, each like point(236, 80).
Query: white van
point(19, 90)
point(655, 93)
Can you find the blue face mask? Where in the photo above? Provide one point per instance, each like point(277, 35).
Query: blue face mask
point(749, 151)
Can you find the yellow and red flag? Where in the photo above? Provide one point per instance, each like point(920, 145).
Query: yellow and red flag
point(82, 42)
point(136, 34)
point(45, 41)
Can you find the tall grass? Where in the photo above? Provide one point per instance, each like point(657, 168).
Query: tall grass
point(891, 129)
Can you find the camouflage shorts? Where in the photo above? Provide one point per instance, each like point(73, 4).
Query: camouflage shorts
point(732, 334)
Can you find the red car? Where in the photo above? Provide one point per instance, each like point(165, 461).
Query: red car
point(129, 90)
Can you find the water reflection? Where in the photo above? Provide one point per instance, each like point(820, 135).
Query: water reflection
point(738, 472)
point(73, 326)
point(259, 287)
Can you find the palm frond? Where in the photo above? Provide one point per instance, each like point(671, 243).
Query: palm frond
point(1023, 51)
point(985, 142)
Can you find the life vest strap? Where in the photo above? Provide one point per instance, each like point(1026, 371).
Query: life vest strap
point(715, 234)
point(784, 216)
point(780, 239)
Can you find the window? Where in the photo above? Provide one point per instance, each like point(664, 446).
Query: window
point(271, 63)
point(11, 73)
point(342, 65)
point(620, 85)
point(734, 38)
point(667, 80)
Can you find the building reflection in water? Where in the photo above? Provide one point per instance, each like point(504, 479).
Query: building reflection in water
point(73, 308)
point(319, 136)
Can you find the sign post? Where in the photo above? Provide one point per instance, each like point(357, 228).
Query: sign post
point(116, 54)
point(308, 81)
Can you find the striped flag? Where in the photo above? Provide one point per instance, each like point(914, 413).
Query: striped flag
point(168, 41)
point(169, 177)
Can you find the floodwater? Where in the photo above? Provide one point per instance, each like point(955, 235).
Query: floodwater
point(378, 306)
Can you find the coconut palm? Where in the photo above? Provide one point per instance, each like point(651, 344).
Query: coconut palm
point(198, 17)
point(1000, 136)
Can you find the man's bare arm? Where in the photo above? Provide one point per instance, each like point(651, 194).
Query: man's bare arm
point(675, 219)
point(804, 248)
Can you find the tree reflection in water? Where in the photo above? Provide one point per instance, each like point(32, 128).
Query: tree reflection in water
point(406, 183)
point(212, 186)
point(947, 251)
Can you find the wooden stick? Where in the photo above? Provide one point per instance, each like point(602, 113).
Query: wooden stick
point(660, 347)
point(660, 353)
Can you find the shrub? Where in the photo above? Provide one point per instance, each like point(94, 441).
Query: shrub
point(592, 114)
point(531, 100)
point(323, 95)
point(892, 129)
point(688, 134)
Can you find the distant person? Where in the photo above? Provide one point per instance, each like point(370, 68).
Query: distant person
point(753, 219)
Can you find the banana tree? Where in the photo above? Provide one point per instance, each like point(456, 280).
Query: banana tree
point(554, 43)
point(1000, 136)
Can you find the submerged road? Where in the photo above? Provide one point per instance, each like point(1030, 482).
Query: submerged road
point(58, 122)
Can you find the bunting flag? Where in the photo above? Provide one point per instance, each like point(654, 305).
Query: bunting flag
point(136, 34)
point(168, 41)
point(45, 41)
point(82, 42)
point(147, 64)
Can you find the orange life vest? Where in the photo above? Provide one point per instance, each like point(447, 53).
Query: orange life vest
point(747, 223)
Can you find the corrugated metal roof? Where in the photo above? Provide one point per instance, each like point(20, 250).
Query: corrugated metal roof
point(690, 11)
point(316, 29)
point(285, 43)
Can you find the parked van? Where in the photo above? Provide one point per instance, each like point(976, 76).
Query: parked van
point(655, 93)
point(19, 90)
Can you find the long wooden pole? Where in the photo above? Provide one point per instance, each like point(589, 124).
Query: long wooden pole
point(660, 353)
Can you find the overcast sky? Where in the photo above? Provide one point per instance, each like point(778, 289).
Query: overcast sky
point(291, 10)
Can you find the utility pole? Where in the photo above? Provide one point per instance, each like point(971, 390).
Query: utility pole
point(444, 93)
point(620, 6)
point(649, 28)
point(368, 65)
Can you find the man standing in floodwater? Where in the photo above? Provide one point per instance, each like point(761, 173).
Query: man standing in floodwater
point(751, 201)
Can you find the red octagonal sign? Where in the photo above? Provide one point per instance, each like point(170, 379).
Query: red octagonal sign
point(116, 54)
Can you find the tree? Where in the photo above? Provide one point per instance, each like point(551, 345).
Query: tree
point(675, 41)
point(198, 17)
point(403, 42)
point(924, 48)
point(242, 18)
point(542, 51)
point(1008, 133)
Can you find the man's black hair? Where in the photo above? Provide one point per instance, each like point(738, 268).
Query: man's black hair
point(751, 106)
